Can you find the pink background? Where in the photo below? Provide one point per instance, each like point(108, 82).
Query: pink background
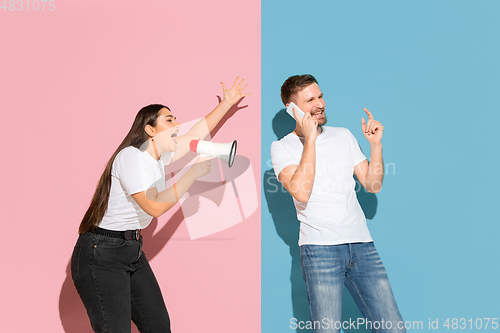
point(72, 81)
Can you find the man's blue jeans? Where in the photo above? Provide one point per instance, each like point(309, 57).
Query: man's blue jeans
point(327, 268)
point(116, 284)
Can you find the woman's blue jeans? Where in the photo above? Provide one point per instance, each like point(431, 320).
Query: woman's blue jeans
point(327, 268)
point(116, 284)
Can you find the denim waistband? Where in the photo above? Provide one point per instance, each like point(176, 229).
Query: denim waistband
point(127, 234)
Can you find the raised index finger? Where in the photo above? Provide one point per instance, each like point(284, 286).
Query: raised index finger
point(368, 113)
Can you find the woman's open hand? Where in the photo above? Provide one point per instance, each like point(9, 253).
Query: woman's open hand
point(234, 94)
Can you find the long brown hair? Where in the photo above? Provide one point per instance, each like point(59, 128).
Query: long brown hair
point(135, 137)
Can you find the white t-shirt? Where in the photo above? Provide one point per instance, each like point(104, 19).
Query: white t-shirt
point(332, 215)
point(133, 171)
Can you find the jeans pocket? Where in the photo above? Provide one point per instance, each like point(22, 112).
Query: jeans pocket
point(107, 250)
point(110, 242)
point(75, 260)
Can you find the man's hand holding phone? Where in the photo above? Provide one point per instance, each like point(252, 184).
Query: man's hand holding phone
point(308, 125)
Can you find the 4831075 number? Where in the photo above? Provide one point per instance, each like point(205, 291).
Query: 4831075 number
point(471, 323)
point(33, 5)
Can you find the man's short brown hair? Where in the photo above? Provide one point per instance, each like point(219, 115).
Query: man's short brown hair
point(294, 84)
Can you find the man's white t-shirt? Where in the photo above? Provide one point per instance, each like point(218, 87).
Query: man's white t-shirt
point(133, 171)
point(332, 215)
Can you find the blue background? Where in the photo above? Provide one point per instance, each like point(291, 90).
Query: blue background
point(430, 72)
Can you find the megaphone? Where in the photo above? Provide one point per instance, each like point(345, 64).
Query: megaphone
point(223, 151)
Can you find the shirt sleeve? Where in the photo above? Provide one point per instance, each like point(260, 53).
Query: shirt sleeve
point(357, 155)
point(281, 157)
point(133, 171)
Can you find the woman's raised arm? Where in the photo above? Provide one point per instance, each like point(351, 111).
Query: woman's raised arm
point(203, 127)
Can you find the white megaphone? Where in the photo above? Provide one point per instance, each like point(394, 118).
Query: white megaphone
point(223, 151)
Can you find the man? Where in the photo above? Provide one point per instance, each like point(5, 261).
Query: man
point(316, 163)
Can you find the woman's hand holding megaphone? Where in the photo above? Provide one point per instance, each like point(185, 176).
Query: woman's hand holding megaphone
point(202, 166)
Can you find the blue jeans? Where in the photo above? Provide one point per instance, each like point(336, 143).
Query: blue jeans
point(327, 268)
point(116, 284)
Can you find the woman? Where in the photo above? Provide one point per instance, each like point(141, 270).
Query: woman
point(108, 267)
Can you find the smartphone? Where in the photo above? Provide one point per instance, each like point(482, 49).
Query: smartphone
point(297, 109)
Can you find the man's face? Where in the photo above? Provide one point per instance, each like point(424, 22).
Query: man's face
point(310, 99)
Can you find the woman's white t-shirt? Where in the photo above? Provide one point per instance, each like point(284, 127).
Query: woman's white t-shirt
point(133, 171)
